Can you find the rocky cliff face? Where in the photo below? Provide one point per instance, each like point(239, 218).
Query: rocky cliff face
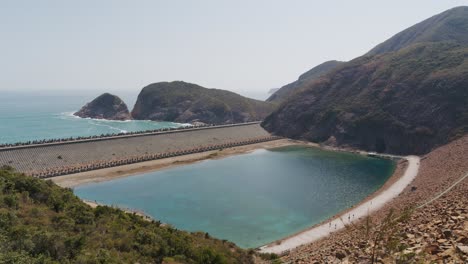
point(405, 102)
point(106, 106)
point(185, 102)
point(283, 93)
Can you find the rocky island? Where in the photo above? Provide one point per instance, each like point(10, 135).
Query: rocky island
point(180, 102)
point(105, 106)
point(186, 102)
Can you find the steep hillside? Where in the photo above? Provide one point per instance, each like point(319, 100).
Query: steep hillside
point(185, 102)
point(105, 106)
point(43, 223)
point(313, 74)
point(402, 102)
point(450, 25)
point(435, 233)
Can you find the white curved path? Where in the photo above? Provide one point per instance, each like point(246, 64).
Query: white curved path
point(362, 210)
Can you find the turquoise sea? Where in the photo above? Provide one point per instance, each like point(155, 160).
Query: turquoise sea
point(48, 115)
point(250, 199)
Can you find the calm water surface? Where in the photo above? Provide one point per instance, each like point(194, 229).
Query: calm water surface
point(249, 199)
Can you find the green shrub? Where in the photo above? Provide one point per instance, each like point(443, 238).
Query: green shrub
point(43, 223)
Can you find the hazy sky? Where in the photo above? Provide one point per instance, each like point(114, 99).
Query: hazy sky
point(247, 46)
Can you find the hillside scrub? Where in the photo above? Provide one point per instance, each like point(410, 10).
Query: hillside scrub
point(41, 222)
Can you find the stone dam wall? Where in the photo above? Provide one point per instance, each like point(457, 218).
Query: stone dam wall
point(48, 160)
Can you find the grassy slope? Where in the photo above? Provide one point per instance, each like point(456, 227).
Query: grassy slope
point(43, 223)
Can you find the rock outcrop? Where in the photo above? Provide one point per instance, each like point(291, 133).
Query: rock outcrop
point(185, 102)
point(105, 106)
point(405, 102)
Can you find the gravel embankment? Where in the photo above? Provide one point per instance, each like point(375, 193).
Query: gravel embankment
point(43, 157)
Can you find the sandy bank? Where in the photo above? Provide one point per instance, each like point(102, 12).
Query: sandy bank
point(129, 211)
point(107, 174)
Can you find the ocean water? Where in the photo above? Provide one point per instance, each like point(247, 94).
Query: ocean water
point(250, 199)
point(26, 117)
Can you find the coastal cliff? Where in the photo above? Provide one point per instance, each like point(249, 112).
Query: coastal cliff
point(186, 102)
point(404, 99)
point(105, 106)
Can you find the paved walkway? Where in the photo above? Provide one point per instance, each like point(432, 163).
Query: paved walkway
point(443, 192)
point(360, 211)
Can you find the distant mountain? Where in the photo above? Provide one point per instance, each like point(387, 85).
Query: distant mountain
point(273, 90)
point(185, 102)
point(313, 74)
point(407, 100)
point(447, 26)
point(105, 106)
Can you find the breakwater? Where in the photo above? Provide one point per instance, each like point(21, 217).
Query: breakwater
point(61, 158)
point(71, 140)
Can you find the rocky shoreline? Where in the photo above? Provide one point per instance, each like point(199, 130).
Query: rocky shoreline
point(106, 106)
point(437, 232)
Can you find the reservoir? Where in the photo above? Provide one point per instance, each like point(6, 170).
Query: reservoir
point(249, 199)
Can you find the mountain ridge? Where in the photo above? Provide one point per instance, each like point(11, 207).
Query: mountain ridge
point(311, 75)
point(405, 102)
point(449, 25)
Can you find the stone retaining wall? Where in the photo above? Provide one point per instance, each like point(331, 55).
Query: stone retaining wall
point(58, 159)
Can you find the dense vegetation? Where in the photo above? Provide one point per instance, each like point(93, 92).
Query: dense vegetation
point(185, 102)
point(308, 77)
point(406, 101)
point(43, 223)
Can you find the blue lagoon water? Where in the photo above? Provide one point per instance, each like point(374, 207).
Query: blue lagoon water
point(25, 117)
point(249, 199)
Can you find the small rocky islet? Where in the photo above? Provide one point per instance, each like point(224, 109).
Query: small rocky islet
point(105, 106)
